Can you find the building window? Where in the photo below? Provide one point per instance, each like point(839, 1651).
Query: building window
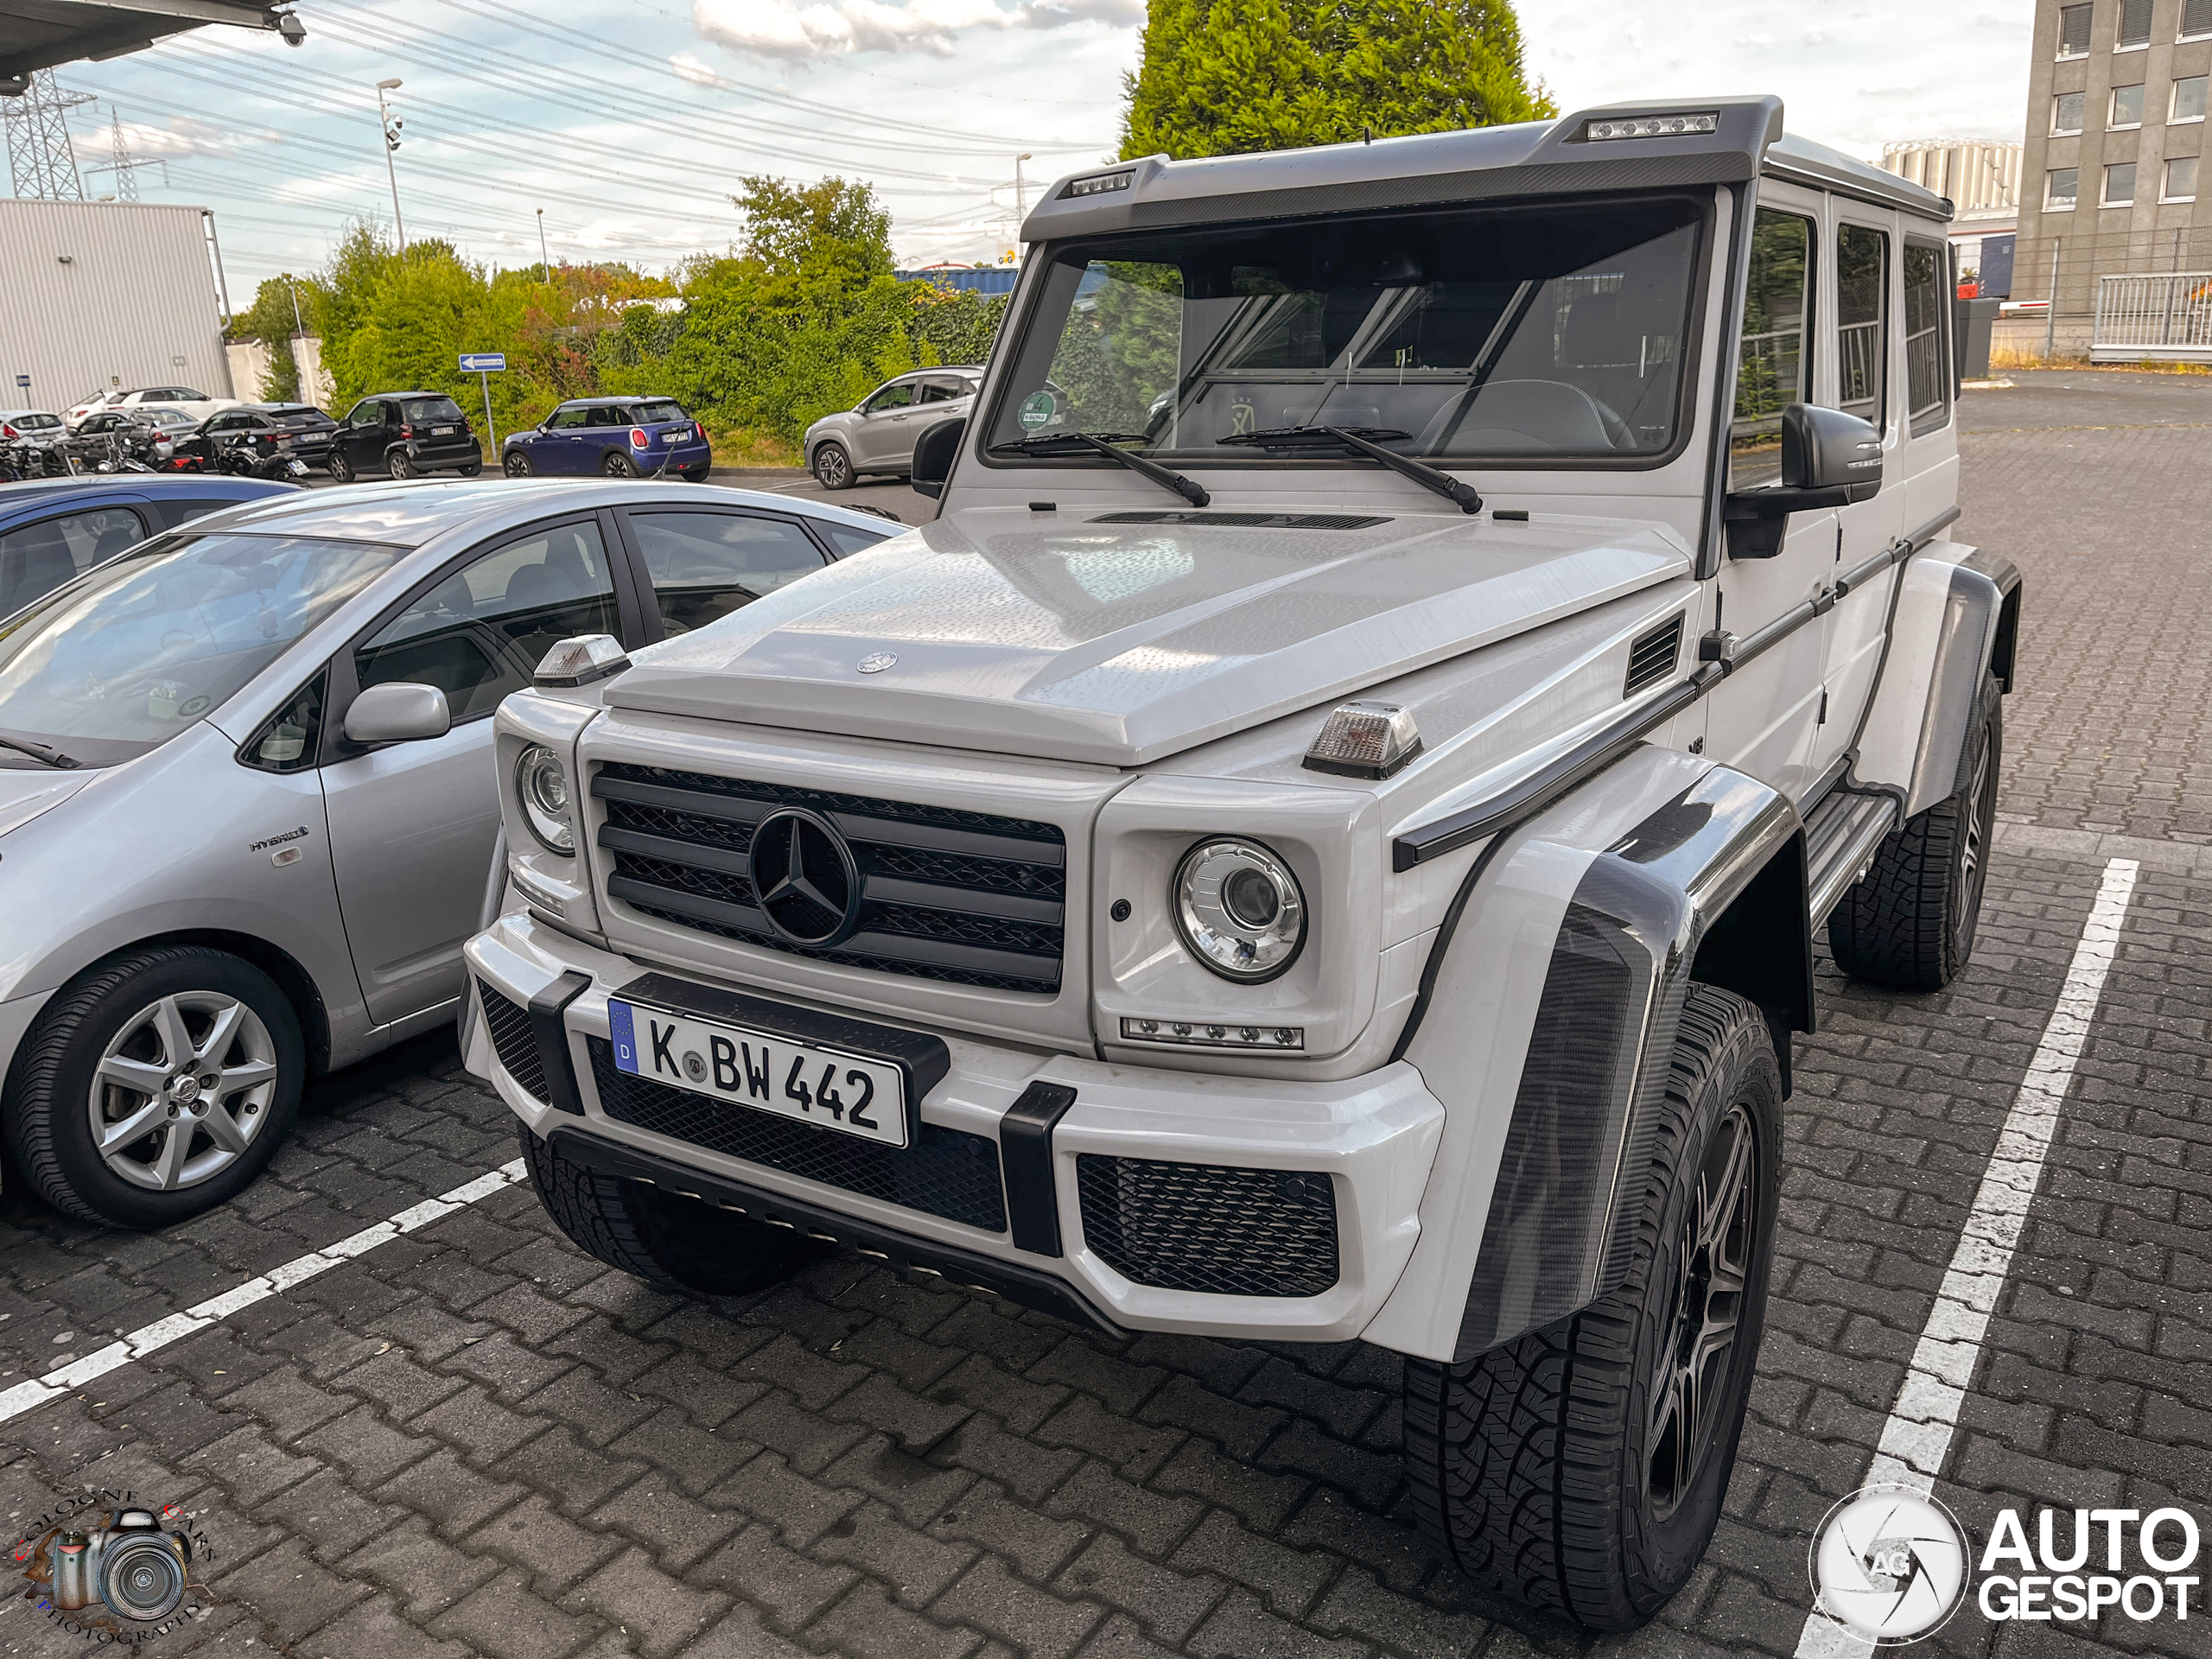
point(2060, 189)
point(2066, 112)
point(2189, 96)
point(2134, 25)
point(2181, 180)
point(2195, 18)
point(2127, 106)
point(2074, 30)
point(2120, 185)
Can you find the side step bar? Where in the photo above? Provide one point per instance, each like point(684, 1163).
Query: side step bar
point(1840, 839)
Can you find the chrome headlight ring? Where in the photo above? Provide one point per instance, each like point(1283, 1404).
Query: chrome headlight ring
point(1239, 909)
point(541, 789)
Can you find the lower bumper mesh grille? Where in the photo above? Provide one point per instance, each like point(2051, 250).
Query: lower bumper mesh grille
point(945, 1172)
point(508, 1024)
point(1235, 1232)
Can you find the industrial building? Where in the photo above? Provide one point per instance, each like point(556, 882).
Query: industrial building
point(105, 294)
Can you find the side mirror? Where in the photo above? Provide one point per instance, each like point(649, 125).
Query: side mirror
point(398, 711)
point(933, 455)
point(1829, 459)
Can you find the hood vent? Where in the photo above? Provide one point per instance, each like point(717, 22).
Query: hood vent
point(1651, 658)
point(1247, 520)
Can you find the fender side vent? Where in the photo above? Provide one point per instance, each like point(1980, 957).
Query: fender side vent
point(1246, 520)
point(1651, 658)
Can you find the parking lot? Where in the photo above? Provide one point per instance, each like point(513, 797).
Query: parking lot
point(459, 1435)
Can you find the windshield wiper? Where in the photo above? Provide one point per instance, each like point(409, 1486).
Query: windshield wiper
point(1103, 443)
point(1361, 441)
point(51, 757)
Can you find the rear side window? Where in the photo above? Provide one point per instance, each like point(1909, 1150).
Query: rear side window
point(480, 633)
point(1774, 370)
point(705, 565)
point(1862, 292)
point(36, 559)
point(847, 540)
point(941, 389)
point(1927, 385)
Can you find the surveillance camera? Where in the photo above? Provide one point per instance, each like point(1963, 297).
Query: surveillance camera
point(291, 29)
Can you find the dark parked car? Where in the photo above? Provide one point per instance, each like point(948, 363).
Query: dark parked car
point(52, 530)
point(240, 440)
point(621, 437)
point(405, 434)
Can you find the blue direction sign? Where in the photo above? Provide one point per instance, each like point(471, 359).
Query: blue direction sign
point(483, 362)
point(24, 380)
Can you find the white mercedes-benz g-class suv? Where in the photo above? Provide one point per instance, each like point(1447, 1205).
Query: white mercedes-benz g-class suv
point(1323, 837)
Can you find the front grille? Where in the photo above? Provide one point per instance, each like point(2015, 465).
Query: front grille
point(945, 1172)
point(1236, 1232)
point(1651, 657)
point(513, 1041)
point(1246, 520)
point(968, 898)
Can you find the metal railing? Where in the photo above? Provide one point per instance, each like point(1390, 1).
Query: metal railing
point(1859, 363)
point(2165, 314)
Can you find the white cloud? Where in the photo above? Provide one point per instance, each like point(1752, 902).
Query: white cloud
point(796, 28)
point(694, 70)
point(181, 137)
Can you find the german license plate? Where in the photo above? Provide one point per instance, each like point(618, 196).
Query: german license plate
point(442, 431)
point(821, 1086)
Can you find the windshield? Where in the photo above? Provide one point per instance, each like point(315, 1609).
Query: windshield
point(1521, 334)
point(119, 661)
point(429, 408)
point(650, 414)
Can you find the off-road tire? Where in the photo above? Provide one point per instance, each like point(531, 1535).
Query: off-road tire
point(673, 1243)
point(832, 467)
point(1532, 1464)
point(341, 470)
point(1909, 922)
point(43, 1116)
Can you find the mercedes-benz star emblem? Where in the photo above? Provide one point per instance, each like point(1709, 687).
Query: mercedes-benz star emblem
point(876, 661)
point(808, 882)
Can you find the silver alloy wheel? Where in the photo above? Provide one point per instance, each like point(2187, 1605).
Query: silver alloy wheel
point(1970, 829)
point(832, 468)
point(182, 1089)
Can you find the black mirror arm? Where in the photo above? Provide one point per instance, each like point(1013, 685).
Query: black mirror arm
point(1756, 520)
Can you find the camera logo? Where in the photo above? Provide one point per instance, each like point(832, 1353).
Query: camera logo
point(1890, 1564)
point(110, 1568)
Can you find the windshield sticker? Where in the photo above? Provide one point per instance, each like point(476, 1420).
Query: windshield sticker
point(1036, 410)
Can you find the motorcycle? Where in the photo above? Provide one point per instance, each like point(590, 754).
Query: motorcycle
point(129, 450)
point(242, 457)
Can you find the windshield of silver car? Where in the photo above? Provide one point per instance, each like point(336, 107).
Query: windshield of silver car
point(117, 661)
point(1521, 335)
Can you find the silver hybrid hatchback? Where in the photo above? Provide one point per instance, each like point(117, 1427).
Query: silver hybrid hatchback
point(248, 814)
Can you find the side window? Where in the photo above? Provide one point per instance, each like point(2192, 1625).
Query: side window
point(568, 420)
point(1775, 370)
point(705, 565)
point(1862, 319)
point(36, 559)
point(288, 740)
point(941, 389)
point(177, 512)
point(848, 541)
point(480, 633)
point(367, 412)
point(1927, 386)
point(897, 395)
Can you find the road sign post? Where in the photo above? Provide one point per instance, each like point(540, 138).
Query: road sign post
point(484, 365)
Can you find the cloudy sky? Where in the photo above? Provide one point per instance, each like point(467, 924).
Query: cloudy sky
point(626, 121)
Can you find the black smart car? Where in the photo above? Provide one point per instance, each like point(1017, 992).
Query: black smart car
point(405, 434)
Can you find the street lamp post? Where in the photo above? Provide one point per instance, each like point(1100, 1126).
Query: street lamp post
point(544, 259)
point(1021, 199)
point(391, 125)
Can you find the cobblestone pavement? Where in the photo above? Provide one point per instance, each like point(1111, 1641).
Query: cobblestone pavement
point(472, 1439)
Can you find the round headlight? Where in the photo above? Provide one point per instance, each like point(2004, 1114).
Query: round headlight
point(542, 788)
point(1239, 909)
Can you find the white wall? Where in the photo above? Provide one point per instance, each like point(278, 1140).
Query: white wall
point(95, 294)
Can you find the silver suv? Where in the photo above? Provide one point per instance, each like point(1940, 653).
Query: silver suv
point(247, 810)
point(878, 435)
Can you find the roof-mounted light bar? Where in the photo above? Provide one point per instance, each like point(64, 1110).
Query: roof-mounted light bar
point(1651, 126)
point(1098, 184)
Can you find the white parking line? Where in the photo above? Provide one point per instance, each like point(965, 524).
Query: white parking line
point(26, 1396)
point(1917, 1436)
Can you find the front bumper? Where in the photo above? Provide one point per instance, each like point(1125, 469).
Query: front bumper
point(1372, 1137)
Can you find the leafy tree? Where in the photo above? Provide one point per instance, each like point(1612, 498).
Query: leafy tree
point(271, 321)
point(1222, 76)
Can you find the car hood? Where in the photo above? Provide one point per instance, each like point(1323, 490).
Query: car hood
point(1088, 639)
point(25, 794)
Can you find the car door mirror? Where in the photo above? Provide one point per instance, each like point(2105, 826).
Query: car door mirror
point(1829, 459)
point(398, 711)
point(933, 455)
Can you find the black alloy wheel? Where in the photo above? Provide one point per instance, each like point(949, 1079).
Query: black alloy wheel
point(517, 464)
point(615, 464)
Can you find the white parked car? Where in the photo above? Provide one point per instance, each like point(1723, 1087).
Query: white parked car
point(1323, 838)
point(247, 809)
point(198, 405)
